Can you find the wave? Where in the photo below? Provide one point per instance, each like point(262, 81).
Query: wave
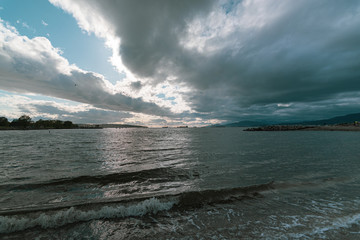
point(200, 198)
point(9, 224)
point(324, 182)
point(57, 216)
point(160, 149)
point(153, 175)
point(343, 222)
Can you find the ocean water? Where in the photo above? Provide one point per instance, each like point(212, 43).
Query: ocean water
point(203, 183)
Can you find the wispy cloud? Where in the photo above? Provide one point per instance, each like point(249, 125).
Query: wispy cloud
point(44, 23)
point(25, 25)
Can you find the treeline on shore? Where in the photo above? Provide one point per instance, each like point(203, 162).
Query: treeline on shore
point(25, 122)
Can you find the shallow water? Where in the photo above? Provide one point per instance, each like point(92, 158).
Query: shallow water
point(208, 183)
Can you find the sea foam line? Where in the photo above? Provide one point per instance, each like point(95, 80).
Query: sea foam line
point(72, 215)
point(341, 222)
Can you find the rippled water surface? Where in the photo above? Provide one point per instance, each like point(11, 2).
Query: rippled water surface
point(205, 183)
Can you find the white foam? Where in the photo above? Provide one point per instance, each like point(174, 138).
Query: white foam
point(341, 222)
point(10, 224)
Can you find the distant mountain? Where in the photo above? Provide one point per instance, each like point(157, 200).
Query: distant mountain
point(350, 118)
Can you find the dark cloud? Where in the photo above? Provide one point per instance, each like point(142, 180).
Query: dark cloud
point(83, 116)
point(149, 30)
point(304, 53)
point(159, 121)
point(136, 86)
point(302, 56)
point(241, 59)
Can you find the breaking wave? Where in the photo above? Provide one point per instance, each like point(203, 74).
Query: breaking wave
point(57, 216)
point(9, 224)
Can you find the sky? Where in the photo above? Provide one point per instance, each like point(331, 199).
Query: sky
point(170, 63)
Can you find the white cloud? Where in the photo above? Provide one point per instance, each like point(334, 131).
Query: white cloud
point(44, 23)
point(284, 105)
point(91, 22)
point(34, 65)
point(25, 25)
point(13, 106)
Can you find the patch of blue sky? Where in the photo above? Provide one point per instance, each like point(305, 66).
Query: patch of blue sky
point(37, 97)
point(53, 99)
point(228, 6)
point(162, 96)
point(84, 50)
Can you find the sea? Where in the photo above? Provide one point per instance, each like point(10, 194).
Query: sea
point(179, 183)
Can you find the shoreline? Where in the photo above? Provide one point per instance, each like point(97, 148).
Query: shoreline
point(44, 129)
point(342, 127)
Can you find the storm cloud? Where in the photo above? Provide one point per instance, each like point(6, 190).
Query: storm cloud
point(236, 55)
point(225, 60)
